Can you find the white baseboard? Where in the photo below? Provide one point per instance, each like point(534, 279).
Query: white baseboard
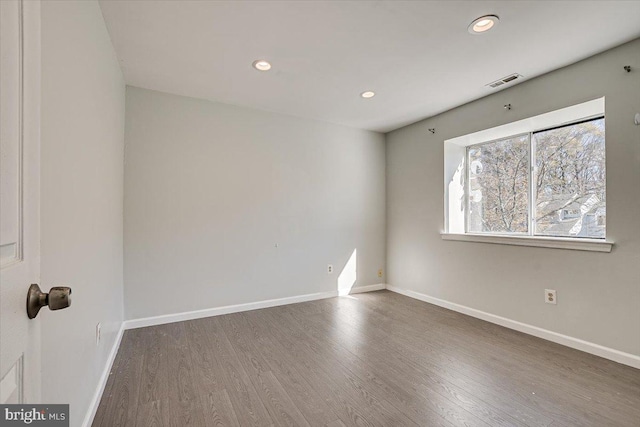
point(217, 311)
point(586, 346)
point(95, 401)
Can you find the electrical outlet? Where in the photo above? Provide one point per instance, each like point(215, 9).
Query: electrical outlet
point(380, 273)
point(550, 296)
point(98, 333)
point(329, 269)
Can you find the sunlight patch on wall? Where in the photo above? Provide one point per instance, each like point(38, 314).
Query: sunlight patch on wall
point(348, 275)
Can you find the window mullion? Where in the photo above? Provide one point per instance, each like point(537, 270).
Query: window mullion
point(532, 185)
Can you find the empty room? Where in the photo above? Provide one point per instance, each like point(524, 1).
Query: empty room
point(319, 213)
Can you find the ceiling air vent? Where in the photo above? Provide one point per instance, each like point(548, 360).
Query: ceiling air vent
point(505, 80)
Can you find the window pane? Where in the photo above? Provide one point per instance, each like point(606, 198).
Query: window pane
point(499, 186)
point(570, 181)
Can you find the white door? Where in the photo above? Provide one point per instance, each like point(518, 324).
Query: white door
point(19, 198)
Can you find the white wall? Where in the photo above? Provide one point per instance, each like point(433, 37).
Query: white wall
point(211, 189)
point(598, 293)
point(82, 194)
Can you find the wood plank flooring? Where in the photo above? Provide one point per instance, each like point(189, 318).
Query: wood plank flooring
point(372, 359)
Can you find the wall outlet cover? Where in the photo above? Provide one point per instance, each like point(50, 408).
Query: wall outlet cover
point(550, 296)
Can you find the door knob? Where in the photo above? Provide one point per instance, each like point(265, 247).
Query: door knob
point(59, 297)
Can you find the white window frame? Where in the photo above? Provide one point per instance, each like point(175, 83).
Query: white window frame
point(456, 183)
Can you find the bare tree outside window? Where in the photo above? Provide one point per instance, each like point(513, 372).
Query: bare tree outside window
point(567, 189)
point(499, 186)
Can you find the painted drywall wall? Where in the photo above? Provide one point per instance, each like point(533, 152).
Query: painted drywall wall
point(83, 100)
point(227, 205)
point(598, 293)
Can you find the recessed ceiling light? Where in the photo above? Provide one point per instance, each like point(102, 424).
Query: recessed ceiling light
point(261, 65)
point(483, 24)
point(368, 94)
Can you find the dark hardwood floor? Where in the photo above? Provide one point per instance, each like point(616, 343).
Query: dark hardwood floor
point(376, 358)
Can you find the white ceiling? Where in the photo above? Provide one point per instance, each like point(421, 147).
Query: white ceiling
point(417, 56)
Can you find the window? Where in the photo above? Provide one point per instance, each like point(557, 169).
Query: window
point(563, 195)
point(538, 181)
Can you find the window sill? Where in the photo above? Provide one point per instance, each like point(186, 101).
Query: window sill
point(540, 242)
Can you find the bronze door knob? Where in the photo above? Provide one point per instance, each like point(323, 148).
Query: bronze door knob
point(59, 297)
